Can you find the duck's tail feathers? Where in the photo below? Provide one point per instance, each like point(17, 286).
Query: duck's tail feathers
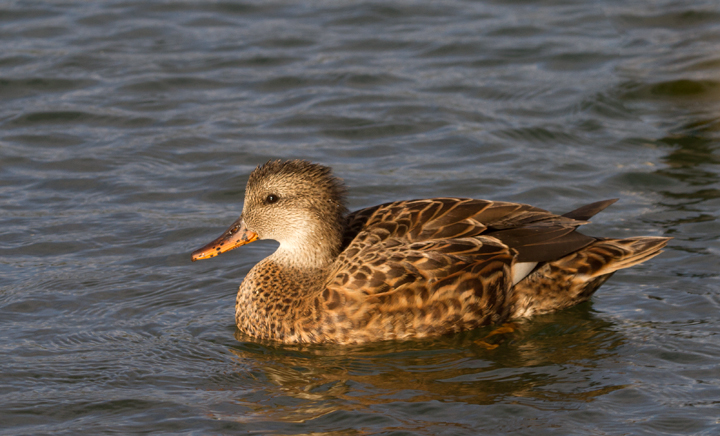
point(574, 278)
point(605, 256)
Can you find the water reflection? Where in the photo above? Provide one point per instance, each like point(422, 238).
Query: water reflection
point(689, 178)
point(533, 362)
point(692, 141)
point(692, 147)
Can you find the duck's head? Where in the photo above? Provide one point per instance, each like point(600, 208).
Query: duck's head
point(297, 203)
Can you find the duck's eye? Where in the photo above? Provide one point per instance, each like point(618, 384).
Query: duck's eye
point(272, 198)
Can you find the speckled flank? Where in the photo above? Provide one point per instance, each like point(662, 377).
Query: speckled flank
point(410, 269)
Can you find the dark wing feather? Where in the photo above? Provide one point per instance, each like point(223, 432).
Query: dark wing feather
point(543, 244)
point(552, 236)
point(589, 210)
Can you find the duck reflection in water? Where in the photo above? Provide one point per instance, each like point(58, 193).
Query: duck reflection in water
point(532, 363)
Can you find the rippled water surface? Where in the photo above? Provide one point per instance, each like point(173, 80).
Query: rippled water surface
point(127, 133)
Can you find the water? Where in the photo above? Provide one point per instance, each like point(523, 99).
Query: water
point(128, 130)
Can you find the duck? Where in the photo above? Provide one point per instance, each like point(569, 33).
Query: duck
point(410, 269)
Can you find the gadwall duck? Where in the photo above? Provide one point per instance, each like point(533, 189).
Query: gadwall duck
point(407, 269)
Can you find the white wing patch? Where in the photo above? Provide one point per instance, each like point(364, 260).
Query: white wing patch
point(521, 270)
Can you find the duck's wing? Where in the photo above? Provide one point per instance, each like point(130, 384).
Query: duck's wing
point(535, 234)
point(421, 242)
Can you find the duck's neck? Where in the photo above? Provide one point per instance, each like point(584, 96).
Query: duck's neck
point(313, 250)
point(312, 246)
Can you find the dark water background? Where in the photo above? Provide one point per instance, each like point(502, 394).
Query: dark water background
point(128, 130)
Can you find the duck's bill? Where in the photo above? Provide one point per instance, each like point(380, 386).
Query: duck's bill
point(237, 235)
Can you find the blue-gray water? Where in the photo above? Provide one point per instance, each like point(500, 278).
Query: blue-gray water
point(128, 130)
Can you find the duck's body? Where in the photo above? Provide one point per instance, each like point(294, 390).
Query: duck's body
point(408, 269)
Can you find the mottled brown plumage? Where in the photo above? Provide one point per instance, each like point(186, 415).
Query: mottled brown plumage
point(407, 269)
